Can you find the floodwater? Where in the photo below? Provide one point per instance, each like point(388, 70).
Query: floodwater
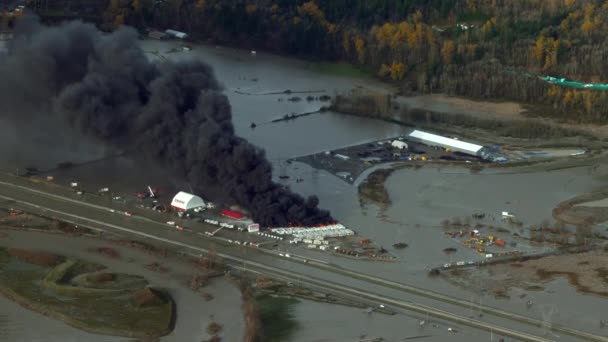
point(193, 312)
point(421, 199)
point(337, 323)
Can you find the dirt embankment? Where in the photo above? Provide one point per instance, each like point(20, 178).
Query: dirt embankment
point(585, 209)
point(499, 123)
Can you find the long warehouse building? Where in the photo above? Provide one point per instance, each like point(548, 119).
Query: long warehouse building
point(453, 144)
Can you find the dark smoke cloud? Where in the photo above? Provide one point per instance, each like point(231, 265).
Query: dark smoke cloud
point(104, 87)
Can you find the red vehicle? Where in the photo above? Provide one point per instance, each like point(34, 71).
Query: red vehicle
point(15, 212)
point(141, 194)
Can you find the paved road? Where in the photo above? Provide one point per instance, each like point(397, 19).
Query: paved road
point(97, 216)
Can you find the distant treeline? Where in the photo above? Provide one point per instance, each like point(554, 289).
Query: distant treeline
point(480, 48)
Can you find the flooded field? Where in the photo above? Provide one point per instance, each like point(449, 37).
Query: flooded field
point(193, 312)
point(420, 199)
point(348, 324)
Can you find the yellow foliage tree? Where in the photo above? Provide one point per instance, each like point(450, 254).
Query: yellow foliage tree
point(397, 71)
point(119, 20)
point(311, 9)
point(447, 51)
point(200, 4)
point(587, 27)
point(568, 97)
point(384, 71)
point(360, 47)
point(136, 5)
point(346, 42)
point(250, 9)
point(554, 50)
point(539, 48)
point(471, 50)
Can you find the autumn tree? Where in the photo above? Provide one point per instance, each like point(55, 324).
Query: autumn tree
point(447, 51)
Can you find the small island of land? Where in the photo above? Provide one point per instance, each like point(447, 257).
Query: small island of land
point(85, 295)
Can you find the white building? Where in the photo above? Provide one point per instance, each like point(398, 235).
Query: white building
point(176, 34)
point(184, 201)
point(399, 144)
point(453, 144)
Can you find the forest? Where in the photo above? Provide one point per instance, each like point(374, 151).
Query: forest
point(490, 49)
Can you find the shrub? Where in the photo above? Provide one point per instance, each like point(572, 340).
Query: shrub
point(103, 277)
point(147, 297)
point(44, 259)
point(109, 252)
point(214, 328)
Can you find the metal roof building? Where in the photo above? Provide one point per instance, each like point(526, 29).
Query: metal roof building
point(453, 144)
point(235, 215)
point(184, 201)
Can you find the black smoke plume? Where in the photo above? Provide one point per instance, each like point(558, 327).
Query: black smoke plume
point(105, 87)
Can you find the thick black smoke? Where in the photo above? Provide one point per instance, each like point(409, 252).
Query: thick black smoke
point(105, 87)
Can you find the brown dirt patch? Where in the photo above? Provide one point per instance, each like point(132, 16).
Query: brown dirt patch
point(108, 252)
point(147, 297)
point(481, 109)
point(44, 259)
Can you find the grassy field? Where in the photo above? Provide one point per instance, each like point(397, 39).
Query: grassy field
point(277, 320)
point(112, 312)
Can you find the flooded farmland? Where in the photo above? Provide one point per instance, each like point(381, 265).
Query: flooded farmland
point(421, 198)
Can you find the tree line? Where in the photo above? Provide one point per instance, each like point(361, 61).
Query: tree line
point(478, 48)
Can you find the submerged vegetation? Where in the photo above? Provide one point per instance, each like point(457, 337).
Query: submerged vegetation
point(277, 319)
point(75, 292)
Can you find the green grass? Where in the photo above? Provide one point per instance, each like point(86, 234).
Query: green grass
point(120, 281)
point(342, 69)
point(109, 312)
point(278, 323)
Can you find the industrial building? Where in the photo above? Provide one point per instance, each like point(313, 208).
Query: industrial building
point(448, 143)
point(184, 201)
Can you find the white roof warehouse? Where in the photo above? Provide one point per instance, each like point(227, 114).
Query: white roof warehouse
point(453, 144)
point(184, 201)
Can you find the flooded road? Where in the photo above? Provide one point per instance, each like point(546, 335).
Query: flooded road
point(421, 198)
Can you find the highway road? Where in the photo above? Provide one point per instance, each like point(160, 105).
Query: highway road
point(100, 217)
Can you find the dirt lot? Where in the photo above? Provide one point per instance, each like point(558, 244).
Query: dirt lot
point(481, 109)
point(350, 162)
point(587, 272)
point(492, 110)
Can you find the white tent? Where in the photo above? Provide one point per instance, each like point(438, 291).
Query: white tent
point(399, 144)
point(184, 201)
